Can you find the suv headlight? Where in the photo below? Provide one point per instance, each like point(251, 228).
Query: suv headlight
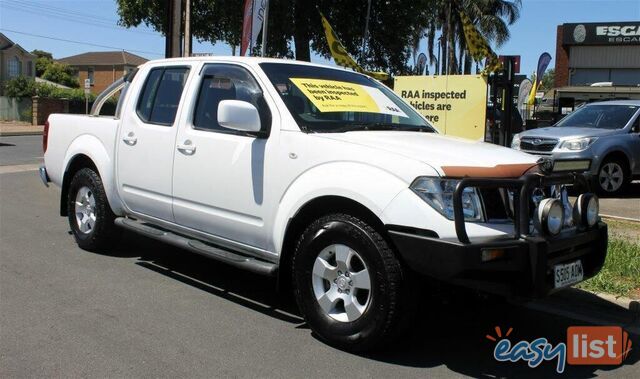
point(515, 142)
point(576, 144)
point(438, 193)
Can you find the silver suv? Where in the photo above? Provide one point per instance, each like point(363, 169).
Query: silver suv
point(602, 138)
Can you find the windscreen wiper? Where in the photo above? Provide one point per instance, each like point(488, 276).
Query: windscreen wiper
point(381, 126)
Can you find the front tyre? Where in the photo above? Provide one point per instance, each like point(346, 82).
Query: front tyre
point(348, 283)
point(612, 177)
point(90, 217)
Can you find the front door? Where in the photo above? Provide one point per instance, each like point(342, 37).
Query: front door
point(218, 179)
point(146, 143)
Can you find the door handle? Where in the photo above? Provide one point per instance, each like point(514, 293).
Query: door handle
point(187, 147)
point(130, 139)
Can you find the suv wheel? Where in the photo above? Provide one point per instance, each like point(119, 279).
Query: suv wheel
point(611, 177)
point(90, 217)
point(348, 283)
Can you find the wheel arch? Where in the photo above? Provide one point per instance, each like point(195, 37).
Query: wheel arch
point(617, 155)
point(89, 151)
point(311, 211)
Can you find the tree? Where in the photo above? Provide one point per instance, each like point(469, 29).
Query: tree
point(295, 28)
point(43, 60)
point(490, 17)
point(548, 79)
point(62, 74)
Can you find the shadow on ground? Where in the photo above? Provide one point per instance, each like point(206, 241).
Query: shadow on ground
point(450, 330)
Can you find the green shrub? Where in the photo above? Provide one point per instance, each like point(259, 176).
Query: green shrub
point(19, 87)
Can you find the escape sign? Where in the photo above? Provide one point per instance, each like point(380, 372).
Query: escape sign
point(337, 96)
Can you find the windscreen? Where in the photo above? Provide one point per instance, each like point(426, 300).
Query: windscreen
point(327, 100)
point(601, 116)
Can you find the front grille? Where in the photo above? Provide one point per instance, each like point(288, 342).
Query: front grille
point(538, 144)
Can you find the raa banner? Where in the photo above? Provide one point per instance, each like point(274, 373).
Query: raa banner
point(340, 55)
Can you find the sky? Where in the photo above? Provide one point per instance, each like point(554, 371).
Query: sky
point(67, 28)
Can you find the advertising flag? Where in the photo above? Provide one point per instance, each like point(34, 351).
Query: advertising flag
point(252, 20)
point(422, 63)
point(543, 63)
point(478, 46)
point(246, 26)
point(340, 55)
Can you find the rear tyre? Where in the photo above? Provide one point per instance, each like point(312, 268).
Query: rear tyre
point(349, 285)
point(90, 217)
point(612, 177)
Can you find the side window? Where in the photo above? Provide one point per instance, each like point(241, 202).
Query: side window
point(227, 82)
point(160, 97)
point(636, 127)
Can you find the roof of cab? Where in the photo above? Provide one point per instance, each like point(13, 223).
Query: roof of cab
point(251, 60)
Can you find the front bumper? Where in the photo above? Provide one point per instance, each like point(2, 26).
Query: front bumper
point(525, 270)
point(525, 267)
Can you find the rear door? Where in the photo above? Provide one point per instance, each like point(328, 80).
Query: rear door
point(146, 144)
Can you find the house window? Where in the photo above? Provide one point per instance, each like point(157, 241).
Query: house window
point(90, 72)
point(30, 68)
point(14, 67)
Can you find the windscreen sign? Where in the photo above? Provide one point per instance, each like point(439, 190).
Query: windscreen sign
point(337, 96)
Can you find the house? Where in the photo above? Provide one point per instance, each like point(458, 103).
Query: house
point(102, 67)
point(14, 61)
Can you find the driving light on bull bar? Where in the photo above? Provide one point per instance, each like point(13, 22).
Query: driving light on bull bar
point(438, 193)
point(586, 209)
point(549, 216)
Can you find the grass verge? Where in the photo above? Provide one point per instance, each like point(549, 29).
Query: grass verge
point(620, 275)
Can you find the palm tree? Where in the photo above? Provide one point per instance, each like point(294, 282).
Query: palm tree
point(491, 17)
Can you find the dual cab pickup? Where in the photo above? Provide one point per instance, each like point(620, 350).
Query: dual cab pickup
point(325, 178)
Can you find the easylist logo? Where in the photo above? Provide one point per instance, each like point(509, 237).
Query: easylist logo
point(617, 33)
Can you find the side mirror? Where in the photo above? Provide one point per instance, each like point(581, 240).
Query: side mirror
point(238, 115)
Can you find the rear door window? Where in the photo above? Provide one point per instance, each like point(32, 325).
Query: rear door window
point(161, 94)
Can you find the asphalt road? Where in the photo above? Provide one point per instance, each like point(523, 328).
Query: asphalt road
point(149, 310)
point(20, 150)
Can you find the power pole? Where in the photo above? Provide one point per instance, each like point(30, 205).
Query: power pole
point(176, 21)
point(169, 32)
point(186, 51)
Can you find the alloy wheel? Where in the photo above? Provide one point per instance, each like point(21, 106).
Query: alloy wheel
point(611, 177)
point(85, 210)
point(341, 283)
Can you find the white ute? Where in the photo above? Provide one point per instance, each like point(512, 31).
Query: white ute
point(324, 178)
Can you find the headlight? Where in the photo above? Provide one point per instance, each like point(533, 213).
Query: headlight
point(515, 142)
point(576, 144)
point(438, 193)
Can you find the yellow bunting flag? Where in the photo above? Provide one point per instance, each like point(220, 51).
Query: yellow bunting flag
point(340, 55)
point(478, 46)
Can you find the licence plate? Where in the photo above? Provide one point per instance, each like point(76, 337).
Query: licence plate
point(567, 274)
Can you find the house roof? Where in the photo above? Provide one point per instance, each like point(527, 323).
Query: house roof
point(104, 58)
point(6, 44)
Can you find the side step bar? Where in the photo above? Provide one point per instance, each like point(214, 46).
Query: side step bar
point(199, 247)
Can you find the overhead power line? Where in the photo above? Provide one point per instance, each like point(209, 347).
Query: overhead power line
point(81, 43)
point(70, 17)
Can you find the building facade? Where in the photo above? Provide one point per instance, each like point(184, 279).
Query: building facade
point(14, 61)
point(102, 68)
point(588, 53)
